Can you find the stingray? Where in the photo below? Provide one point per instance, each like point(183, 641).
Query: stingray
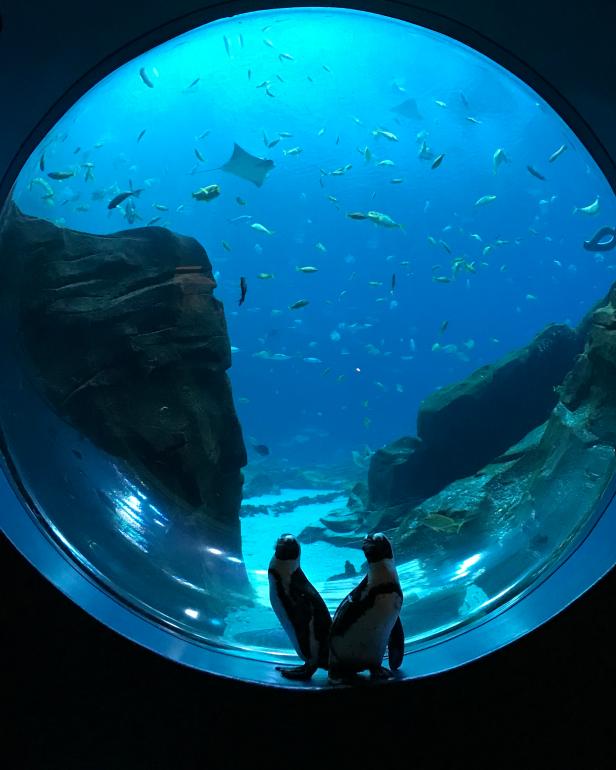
point(408, 109)
point(248, 166)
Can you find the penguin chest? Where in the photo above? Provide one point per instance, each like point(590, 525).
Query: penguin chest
point(279, 605)
point(363, 644)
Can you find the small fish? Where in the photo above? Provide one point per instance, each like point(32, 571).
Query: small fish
point(144, 76)
point(207, 193)
point(240, 201)
point(121, 197)
point(441, 279)
point(357, 215)
point(193, 84)
point(375, 283)
point(226, 246)
point(312, 360)
point(387, 134)
point(531, 297)
point(141, 134)
point(265, 276)
point(160, 206)
point(261, 449)
point(42, 162)
point(268, 43)
point(397, 180)
point(243, 290)
point(320, 247)
point(535, 173)
point(485, 199)
point(59, 175)
point(261, 228)
point(199, 156)
point(591, 209)
point(307, 269)
point(440, 103)
point(498, 158)
point(393, 283)
point(227, 43)
point(383, 220)
point(299, 304)
point(473, 120)
point(445, 245)
point(286, 56)
point(437, 161)
point(557, 153)
point(366, 422)
point(443, 326)
point(204, 134)
point(293, 151)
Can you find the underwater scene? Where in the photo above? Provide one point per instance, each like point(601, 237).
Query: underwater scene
point(317, 272)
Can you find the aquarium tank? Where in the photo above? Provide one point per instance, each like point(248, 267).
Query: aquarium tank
point(318, 272)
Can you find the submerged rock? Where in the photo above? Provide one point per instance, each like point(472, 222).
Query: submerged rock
point(124, 338)
point(464, 426)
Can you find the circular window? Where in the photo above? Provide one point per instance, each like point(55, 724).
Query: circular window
point(319, 272)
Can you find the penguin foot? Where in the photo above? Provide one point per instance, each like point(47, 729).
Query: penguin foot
point(304, 672)
point(336, 676)
point(380, 673)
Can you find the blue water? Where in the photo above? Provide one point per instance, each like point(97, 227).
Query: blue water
point(346, 75)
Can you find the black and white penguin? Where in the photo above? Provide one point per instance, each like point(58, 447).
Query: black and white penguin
point(300, 609)
point(368, 619)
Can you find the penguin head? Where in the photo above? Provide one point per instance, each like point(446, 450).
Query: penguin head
point(287, 547)
point(377, 547)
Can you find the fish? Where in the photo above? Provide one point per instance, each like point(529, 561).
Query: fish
point(312, 360)
point(293, 151)
point(441, 279)
point(141, 135)
point(199, 156)
point(207, 193)
point(557, 153)
point(408, 109)
point(440, 103)
point(498, 158)
point(445, 245)
point(386, 162)
point(152, 221)
point(261, 449)
point(320, 246)
point(246, 166)
point(299, 304)
point(226, 246)
point(383, 220)
point(227, 43)
point(286, 56)
point(144, 76)
point(193, 84)
point(443, 326)
point(375, 283)
point(440, 523)
point(393, 283)
point(473, 120)
point(485, 199)
point(357, 215)
point(60, 175)
point(243, 290)
point(89, 175)
point(425, 153)
point(240, 201)
point(42, 162)
point(397, 180)
point(261, 228)
point(307, 269)
point(160, 207)
point(437, 161)
point(121, 197)
point(535, 173)
point(387, 134)
point(268, 43)
point(265, 276)
point(591, 209)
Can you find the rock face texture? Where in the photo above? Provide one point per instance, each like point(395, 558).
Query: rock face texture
point(125, 339)
point(463, 426)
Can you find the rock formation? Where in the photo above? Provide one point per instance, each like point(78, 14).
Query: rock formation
point(463, 426)
point(123, 336)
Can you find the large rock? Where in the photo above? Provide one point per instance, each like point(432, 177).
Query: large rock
point(463, 426)
point(123, 336)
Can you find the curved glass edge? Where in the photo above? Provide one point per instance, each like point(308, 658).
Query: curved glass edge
point(592, 559)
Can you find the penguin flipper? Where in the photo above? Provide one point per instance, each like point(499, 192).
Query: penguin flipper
point(395, 646)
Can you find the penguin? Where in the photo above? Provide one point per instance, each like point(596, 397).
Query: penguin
point(368, 619)
point(300, 609)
